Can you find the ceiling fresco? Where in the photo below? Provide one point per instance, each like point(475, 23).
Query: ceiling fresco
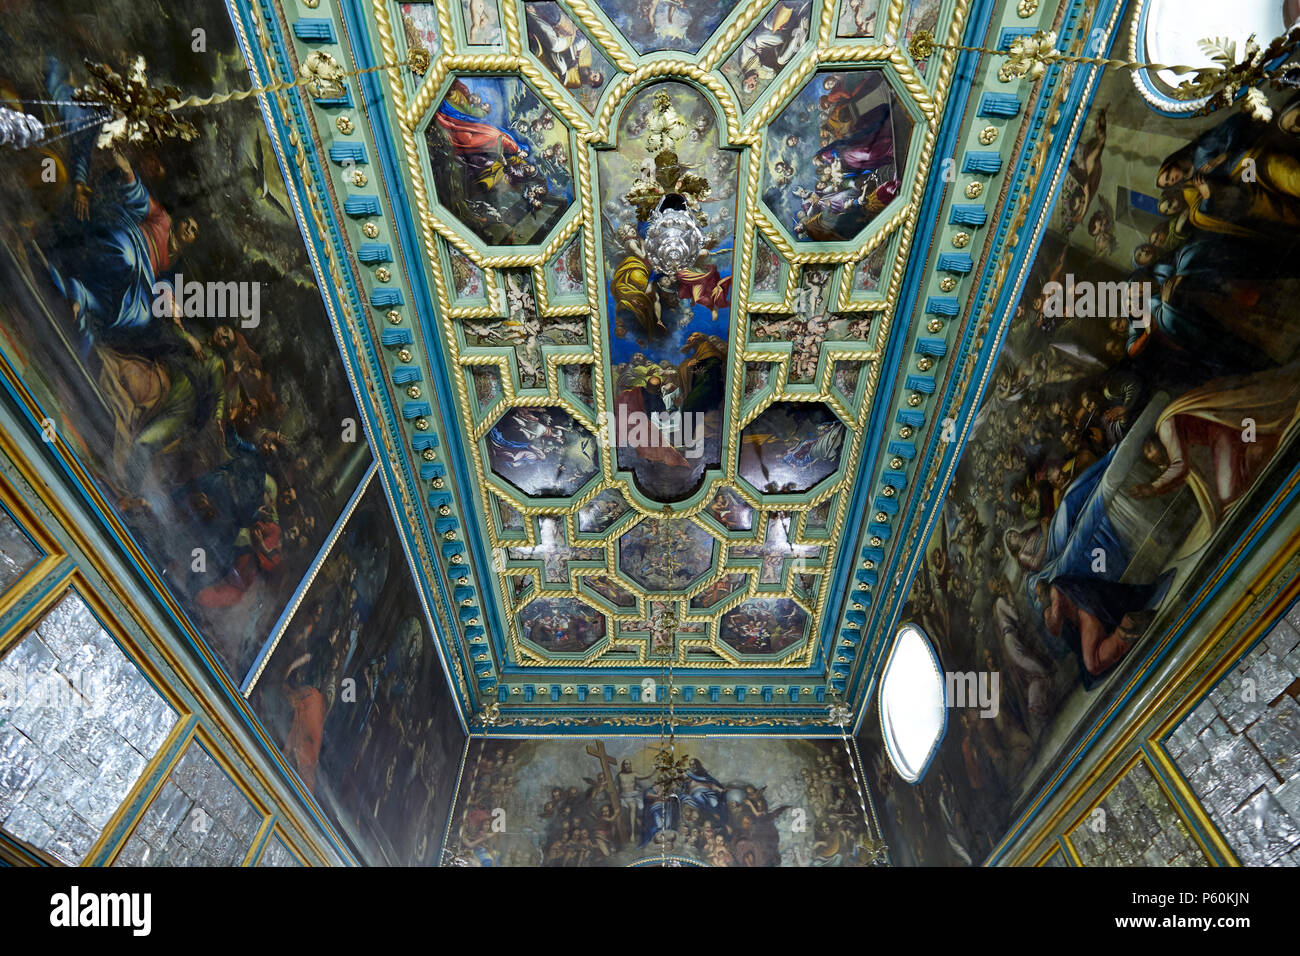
point(1120, 459)
point(594, 367)
point(646, 309)
point(640, 297)
point(660, 390)
point(615, 432)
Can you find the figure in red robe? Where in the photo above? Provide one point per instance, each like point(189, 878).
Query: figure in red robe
point(308, 728)
point(706, 288)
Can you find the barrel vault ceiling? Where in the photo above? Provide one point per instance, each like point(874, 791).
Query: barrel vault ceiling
point(605, 469)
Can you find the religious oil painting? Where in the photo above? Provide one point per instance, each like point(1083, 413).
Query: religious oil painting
point(919, 15)
point(566, 276)
point(562, 624)
point(867, 273)
point(835, 155)
point(731, 511)
point(420, 27)
point(777, 41)
point(482, 19)
point(610, 590)
point(777, 552)
point(162, 314)
point(767, 268)
point(524, 330)
point(552, 549)
point(355, 697)
point(719, 590)
point(500, 160)
point(764, 626)
point(668, 234)
point(666, 555)
point(857, 18)
point(596, 802)
point(653, 25)
point(1146, 396)
point(544, 452)
point(601, 511)
point(791, 447)
point(567, 52)
point(467, 278)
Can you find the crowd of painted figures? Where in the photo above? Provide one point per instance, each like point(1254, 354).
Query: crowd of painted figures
point(621, 814)
point(1119, 434)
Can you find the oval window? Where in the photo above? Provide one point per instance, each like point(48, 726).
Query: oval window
point(913, 711)
point(1171, 31)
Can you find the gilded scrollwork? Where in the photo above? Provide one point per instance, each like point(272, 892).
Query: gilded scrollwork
point(516, 339)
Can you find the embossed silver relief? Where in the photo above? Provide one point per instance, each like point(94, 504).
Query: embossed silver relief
point(17, 553)
point(199, 818)
point(277, 854)
point(1240, 751)
point(78, 726)
point(1135, 825)
point(673, 241)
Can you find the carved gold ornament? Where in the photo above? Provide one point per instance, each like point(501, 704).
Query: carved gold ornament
point(1222, 85)
point(128, 110)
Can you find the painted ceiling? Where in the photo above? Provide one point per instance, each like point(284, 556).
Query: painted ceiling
point(666, 346)
point(664, 324)
point(609, 467)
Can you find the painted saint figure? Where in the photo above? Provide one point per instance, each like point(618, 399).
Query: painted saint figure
point(110, 278)
point(564, 49)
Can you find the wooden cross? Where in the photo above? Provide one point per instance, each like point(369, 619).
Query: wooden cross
point(607, 765)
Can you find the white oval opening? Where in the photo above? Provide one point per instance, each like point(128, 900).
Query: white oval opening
point(912, 705)
point(1173, 29)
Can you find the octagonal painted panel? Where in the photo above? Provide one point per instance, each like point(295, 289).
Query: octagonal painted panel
point(543, 452)
point(763, 626)
point(791, 447)
point(500, 160)
point(563, 625)
point(648, 254)
point(665, 555)
point(837, 152)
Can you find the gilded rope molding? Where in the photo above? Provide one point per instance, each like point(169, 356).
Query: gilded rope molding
point(593, 24)
point(351, 324)
point(936, 472)
point(895, 18)
point(826, 27)
point(854, 408)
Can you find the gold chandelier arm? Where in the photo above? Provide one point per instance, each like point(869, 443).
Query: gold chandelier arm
point(1030, 56)
point(923, 45)
point(142, 113)
point(326, 83)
